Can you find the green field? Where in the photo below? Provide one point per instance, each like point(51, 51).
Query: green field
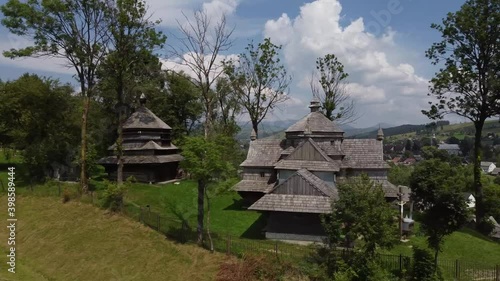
point(228, 216)
point(465, 245)
point(76, 241)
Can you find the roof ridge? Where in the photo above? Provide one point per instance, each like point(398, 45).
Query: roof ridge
point(315, 145)
point(313, 184)
point(323, 153)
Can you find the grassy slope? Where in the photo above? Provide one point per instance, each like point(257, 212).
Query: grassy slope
point(465, 245)
point(458, 130)
point(76, 241)
point(227, 214)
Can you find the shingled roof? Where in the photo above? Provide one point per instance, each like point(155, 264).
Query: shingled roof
point(293, 203)
point(143, 159)
point(315, 122)
point(254, 186)
point(150, 145)
point(143, 118)
point(363, 154)
point(263, 153)
point(309, 165)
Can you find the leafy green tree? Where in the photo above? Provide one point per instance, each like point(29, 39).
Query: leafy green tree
point(203, 160)
point(423, 266)
point(259, 80)
point(133, 40)
point(74, 30)
point(361, 211)
point(178, 104)
point(228, 107)
point(436, 189)
point(328, 84)
point(45, 137)
point(467, 84)
point(400, 174)
point(360, 214)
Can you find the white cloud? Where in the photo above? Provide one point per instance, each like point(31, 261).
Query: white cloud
point(378, 79)
point(171, 11)
point(49, 64)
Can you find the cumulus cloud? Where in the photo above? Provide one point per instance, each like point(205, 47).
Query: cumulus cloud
point(377, 79)
point(49, 64)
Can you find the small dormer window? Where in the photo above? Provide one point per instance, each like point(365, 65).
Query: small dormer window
point(262, 174)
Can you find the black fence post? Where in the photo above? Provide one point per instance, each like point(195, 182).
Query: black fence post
point(400, 264)
point(497, 269)
point(276, 249)
point(141, 218)
point(457, 270)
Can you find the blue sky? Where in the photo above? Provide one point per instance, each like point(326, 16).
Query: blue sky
point(380, 42)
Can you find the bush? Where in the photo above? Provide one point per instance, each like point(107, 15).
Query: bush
point(253, 267)
point(113, 196)
point(66, 196)
point(424, 268)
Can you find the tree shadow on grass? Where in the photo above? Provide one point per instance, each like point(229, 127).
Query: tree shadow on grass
point(256, 230)
point(472, 232)
point(238, 205)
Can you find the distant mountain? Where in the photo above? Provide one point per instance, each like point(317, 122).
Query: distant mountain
point(391, 131)
point(266, 128)
point(352, 131)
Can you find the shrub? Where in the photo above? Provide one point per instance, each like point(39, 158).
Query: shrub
point(113, 196)
point(253, 267)
point(423, 266)
point(66, 196)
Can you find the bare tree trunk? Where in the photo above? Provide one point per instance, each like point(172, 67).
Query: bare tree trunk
point(478, 187)
point(83, 155)
point(201, 209)
point(208, 223)
point(119, 149)
point(255, 127)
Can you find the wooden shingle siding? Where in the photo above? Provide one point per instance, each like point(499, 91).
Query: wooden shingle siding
point(307, 152)
point(298, 186)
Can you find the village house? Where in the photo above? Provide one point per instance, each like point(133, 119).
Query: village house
point(148, 153)
point(294, 180)
point(488, 167)
point(452, 149)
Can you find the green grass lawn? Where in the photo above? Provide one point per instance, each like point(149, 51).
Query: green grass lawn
point(227, 215)
point(465, 245)
point(76, 241)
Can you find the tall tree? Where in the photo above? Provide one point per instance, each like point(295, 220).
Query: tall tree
point(329, 84)
point(75, 30)
point(362, 211)
point(259, 79)
point(134, 38)
point(436, 189)
point(227, 108)
point(201, 44)
point(203, 160)
point(467, 84)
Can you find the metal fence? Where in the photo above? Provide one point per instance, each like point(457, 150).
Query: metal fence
point(397, 264)
point(180, 231)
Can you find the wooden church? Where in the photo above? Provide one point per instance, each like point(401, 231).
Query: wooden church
point(148, 153)
point(295, 179)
